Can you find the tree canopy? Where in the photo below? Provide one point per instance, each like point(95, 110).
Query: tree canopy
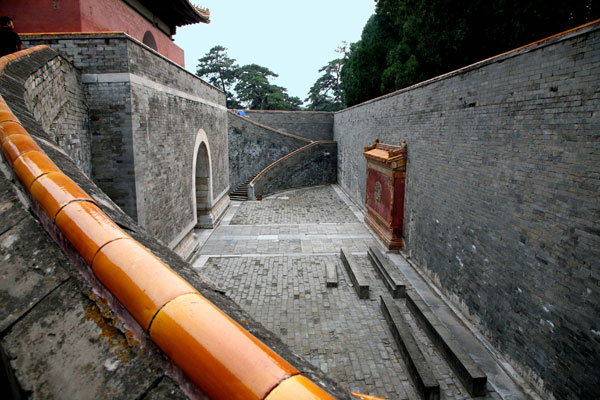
point(326, 94)
point(403, 43)
point(220, 71)
point(408, 41)
point(247, 86)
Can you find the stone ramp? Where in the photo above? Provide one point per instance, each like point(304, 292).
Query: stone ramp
point(360, 283)
point(469, 373)
point(311, 165)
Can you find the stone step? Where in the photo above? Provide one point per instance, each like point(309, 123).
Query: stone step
point(332, 276)
point(467, 370)
point(419, 369)
point(388, 273)
point(361, 285)
point(241, 192)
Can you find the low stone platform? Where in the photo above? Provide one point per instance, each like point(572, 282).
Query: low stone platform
point(360, 283)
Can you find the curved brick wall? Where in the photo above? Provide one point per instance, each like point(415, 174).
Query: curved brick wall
point(313, 125)
point(311, 165)
point(502, 203)
point(214, 351)
point(254, 146)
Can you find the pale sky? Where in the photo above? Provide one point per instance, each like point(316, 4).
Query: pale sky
point(291, 38)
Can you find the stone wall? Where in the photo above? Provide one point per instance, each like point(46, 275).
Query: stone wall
point(62, 333)
point(148, 117)
point(55, 96)
point(253, 147)
point(166, 128)
point(312, 165)
point(313, 125)
point(502, 204)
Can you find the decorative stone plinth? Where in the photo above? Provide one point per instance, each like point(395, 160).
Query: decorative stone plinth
point(386, 179)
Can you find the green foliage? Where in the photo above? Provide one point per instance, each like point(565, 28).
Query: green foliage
point(326, 94)
point(278, 99)
point(408, 41)
point(244, 87)
point(220, 71)
point(253, 86)
point(361, 73)
point(255, 92)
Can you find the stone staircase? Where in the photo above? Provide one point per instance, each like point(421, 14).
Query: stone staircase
point(241, 192)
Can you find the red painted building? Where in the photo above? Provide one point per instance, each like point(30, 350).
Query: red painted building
point(152, 22)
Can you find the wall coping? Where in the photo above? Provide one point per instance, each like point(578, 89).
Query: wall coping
point(559, 37)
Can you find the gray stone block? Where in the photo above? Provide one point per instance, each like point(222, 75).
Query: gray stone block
point(360, 283)
point(57, 347)
point(467, 370)
point(332, 276)
point(388, 273)
point(420, 372)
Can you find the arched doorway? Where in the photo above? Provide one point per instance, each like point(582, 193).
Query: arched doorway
point(202, 182)
point(149, 41)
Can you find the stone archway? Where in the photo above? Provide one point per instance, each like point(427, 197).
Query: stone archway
point(202, 181)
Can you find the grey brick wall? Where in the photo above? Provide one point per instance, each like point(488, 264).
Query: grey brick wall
point(502, 198)
point(56, 99)
point(145, 115)
point(97, 53)
point(165, 128)
point(149, 64)
point(253, 147)
point(314, 125)
point(113, 168)
point(311, 166)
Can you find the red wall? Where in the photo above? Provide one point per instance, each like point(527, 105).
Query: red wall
point(32, 16)
point(115, 15)
point(36, 16)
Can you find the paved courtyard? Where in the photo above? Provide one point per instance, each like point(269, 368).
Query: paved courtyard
point(270, 256)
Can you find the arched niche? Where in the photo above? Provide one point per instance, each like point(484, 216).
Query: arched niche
point(149, 40)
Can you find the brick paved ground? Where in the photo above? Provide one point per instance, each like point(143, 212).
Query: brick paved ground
point(303, 206)
point(271, 258)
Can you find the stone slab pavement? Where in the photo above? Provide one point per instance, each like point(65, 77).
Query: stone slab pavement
point(271, 257)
